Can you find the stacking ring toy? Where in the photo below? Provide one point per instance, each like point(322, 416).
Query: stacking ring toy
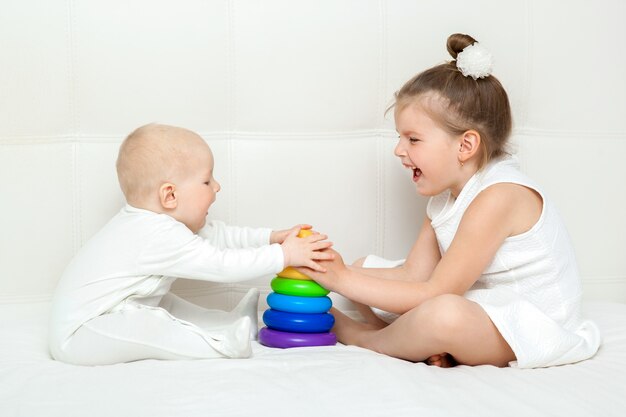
point(305, 232)
point(298, 322)
point(292, 273)
point(295, 304)
point(299, 287)
point(276, 339)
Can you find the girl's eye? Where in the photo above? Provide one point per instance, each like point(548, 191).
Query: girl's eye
point(207, 183)
point(413, 140)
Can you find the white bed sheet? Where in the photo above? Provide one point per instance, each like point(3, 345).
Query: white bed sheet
point(328, 381)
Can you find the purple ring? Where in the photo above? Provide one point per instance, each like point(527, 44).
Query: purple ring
point(278, 339)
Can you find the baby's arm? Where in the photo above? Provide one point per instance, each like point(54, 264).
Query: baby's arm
point(223, 236)
point(176, 251)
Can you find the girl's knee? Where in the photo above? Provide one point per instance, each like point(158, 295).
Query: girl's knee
point(443, 314)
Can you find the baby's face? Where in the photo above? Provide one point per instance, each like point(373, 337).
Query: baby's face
point(197, 190)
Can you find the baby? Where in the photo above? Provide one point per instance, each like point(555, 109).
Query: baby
point(113, 303)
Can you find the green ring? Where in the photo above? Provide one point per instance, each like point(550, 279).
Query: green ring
point(299, 287)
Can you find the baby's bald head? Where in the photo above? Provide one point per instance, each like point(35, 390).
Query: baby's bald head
point(154, 154)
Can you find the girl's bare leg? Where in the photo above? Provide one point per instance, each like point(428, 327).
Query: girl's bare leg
point(443, 360)
point(448, 323)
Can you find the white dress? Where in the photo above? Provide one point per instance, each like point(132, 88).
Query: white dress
point(531, 290)
point(113, 304)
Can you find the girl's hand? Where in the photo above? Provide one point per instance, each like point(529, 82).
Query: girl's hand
point(304, 251)
point(335, 270)
point(279, 236)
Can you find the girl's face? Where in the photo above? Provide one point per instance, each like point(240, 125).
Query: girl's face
point(428, 151)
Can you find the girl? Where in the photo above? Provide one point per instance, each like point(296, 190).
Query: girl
point(491, 278)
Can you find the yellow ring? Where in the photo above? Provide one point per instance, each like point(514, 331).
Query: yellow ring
point(292, 273)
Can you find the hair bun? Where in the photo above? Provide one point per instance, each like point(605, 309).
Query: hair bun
point(457, 42)
point(472, 59)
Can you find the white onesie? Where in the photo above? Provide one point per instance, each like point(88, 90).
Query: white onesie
point(531, 290)
point(113, 303)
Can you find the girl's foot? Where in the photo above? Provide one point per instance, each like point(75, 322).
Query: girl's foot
point(348, 330)
point(443, 360)
point(370, 318)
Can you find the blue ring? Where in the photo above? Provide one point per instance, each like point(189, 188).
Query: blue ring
point(295, 304)
point(298, 322)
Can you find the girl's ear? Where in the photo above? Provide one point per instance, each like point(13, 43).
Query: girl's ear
point(167, 196)
point(469, 145)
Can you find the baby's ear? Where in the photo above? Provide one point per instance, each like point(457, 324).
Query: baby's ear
point(167, 196)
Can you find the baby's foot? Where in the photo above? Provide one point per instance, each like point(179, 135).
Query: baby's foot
point(235, 341)
point(443, 360)
point(248, 307)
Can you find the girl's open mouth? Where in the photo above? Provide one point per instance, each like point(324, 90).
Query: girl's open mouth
point(417, 173)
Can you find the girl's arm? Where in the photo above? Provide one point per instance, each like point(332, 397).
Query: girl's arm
point(496, 213)
point(419, 264)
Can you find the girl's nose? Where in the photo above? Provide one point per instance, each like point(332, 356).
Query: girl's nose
point(217, 187)
point(399, 150)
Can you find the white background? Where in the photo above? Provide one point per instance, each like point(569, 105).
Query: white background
point(291, 97)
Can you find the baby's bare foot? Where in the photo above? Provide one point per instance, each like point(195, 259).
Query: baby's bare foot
point(443, 360)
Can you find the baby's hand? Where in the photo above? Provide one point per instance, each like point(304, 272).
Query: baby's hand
point(279, 236)
point(304, 251)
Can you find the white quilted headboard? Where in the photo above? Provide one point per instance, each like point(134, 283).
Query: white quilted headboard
point(291, 96)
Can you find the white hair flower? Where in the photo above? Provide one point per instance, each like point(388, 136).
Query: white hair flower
point(475, 61)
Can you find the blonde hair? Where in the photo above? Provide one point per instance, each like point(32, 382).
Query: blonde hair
point(151, 155)
point(464, 103)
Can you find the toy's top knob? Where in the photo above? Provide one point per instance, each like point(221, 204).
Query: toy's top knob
point(305, 232)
